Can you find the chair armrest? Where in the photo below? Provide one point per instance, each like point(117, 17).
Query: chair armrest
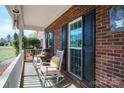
point(45, 63)
point(49, 67)
point(52, 68)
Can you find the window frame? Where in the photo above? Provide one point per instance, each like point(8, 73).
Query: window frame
point(69, 63)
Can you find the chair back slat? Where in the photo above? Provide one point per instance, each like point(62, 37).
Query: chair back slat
point(60, 55)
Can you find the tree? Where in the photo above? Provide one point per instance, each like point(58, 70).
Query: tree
point(16, 43)
point(27, 42)
point(9, 39)
point(16, 46)
point(15, 36)
point(34, 42)
point(3, 42)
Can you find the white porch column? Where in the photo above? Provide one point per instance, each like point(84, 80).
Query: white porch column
point(21, 28)
point(20, 39)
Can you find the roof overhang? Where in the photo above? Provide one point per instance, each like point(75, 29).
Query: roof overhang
point(38, 17)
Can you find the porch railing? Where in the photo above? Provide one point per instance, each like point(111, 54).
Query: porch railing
point(12, 76)
point(30, 53)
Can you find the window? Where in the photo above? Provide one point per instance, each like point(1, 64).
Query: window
point(51, 40)
point(75, 47)
point(75, 34)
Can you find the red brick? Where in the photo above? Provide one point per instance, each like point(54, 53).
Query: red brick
point(119, 67)
point(119, 59)
point(119, 51)
point(100, 40)
point(113, 39)
point(122, 47)
point(107, 50)
point(101, 47)
point(108, 57)
point(108, 65)
point(122, 39)
point(113, 47)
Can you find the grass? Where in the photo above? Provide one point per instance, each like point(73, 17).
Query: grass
point(6, 53)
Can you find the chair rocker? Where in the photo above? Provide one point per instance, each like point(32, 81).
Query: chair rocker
point(47, 69)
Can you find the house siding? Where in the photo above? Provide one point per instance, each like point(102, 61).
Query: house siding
point(109, 51)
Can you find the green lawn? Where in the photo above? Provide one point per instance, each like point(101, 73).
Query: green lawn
point(6, 53)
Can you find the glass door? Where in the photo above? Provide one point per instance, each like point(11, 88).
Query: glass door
point(75, 47)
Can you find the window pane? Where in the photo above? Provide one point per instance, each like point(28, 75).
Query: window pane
point(70, 27)
point(75, 25)
point(51, 40)
point(75, 38)
point(79, 24)
point(75, 59)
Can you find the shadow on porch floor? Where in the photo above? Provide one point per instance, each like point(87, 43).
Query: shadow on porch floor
point(32, 80)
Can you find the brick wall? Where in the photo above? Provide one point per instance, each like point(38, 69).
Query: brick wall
point(109, 52)
point(109, 64)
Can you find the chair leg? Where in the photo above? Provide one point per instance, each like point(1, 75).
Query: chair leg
point(44, 81)
point(57, 77)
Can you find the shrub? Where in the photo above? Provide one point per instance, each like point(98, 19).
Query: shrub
point(34, 42)
point(26, 42)
point(16, 43)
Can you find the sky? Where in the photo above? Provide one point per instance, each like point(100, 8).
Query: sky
point(6, 24)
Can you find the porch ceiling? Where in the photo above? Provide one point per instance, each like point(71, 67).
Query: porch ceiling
point(38, 17)
point(42, 15)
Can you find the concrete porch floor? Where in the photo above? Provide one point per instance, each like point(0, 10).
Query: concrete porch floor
point(31, 79)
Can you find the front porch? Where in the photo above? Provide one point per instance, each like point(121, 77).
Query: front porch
point(94, 55)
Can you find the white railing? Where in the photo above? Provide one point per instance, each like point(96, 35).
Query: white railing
point(35, 51)
point(30, 53)
point(12, 76)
